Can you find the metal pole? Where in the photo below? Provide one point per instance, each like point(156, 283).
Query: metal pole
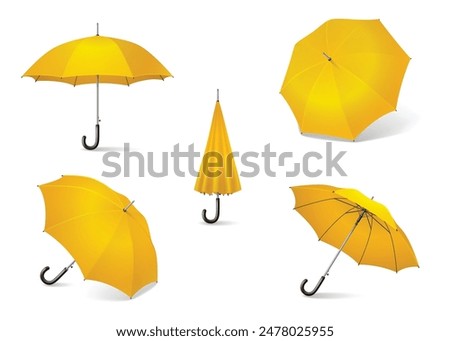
point(345, 241)
point(98, 99)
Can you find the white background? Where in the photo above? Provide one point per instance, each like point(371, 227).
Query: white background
point(243, 272)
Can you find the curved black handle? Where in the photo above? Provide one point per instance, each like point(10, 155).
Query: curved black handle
point(216, 217)
point(310, 293)
point(97, 139)
point(54, 280)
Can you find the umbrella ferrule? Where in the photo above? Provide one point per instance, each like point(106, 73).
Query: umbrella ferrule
point(128, 206)
point(327, 56)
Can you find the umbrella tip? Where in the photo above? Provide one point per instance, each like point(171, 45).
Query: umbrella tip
point(125, 209)
point(217, 95)
point(97, 29)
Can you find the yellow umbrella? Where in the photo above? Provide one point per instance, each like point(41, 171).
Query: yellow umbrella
point(344, 76)
point(361, 227)
point(102, 230)
point(97, 60)
point(218, 173)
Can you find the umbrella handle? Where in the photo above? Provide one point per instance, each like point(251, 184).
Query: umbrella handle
point(97, 139)
point(310, 293)
point(216, 217)
point(58, 276)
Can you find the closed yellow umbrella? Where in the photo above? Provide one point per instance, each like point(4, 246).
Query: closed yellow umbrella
point(355, 224)
point(344, 76)
point(218, 173)
point(106, 235)
point(97, 60)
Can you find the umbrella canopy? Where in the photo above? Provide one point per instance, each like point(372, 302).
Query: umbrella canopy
point(105, 234)
point(355, 224)
point(218, 173)
point(113, 60)
point(97, 60)
point(344, 76)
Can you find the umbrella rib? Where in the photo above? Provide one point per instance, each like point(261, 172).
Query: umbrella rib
point(104, 250)
point(339, 218)
point(75, 218)
point(299, 74)
point(385, 227)
point(313, 202)
point(340, 102)
point(89, 190)
point(335, 80)
point(143, 227)
point(370, 222)
point(362, 81)
point(323, 200)
point(393, 248)
point(311, 91)
point(344, 39)
point(347, 202)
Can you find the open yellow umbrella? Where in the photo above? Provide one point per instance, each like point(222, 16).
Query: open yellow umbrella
point(344, 76)
point(218, 174)
point(355, 224)
point(102, 230)
point(97, 60)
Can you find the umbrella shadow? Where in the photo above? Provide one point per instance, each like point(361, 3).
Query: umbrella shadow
point(219, 223)
point(58, 284)
point(388, 125)
point(105, 149)
point(332, 295)
point(108, 293)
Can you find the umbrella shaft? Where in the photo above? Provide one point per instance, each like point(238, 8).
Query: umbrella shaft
point(98, 99)
point(345, 241)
